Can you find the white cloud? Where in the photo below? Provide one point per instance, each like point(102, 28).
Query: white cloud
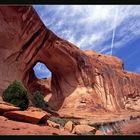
point(91, 26)
point(88, 26)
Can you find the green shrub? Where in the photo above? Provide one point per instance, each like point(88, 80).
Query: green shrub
point(58, 120)
point(63, 121)
point(44, 78)
point(38, 100)
point(16, 94)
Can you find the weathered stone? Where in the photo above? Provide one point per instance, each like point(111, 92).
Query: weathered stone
point(83, 129)
point(131, 128)
point(110, 132)
point(27, 116)
point(11, 127)
point(53, 124)
point(69, 126)
point(4, 107)
point(98, 132)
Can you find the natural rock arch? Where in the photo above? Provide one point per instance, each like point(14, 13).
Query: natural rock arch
point(82, 80)
point(33, 42)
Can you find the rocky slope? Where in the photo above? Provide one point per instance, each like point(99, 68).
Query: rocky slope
point(35, 121)
point(10, 127)
point(83, 81)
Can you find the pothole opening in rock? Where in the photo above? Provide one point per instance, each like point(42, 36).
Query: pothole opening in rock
point(41, 71)
point(42, 82)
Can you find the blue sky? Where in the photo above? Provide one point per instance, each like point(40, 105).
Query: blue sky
point(107, 29)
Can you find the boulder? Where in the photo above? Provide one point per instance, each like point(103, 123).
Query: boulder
point(99, 132)
point(27, 116)
point(5, 107)
point(83, 129)
point(110, 132)
point(53, 124)
point(69, 126)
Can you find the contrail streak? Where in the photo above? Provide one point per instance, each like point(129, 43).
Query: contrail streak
point(114, 30)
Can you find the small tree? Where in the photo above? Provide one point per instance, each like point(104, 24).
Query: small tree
point(38, 100)
point(44, 78)
point(16, 94)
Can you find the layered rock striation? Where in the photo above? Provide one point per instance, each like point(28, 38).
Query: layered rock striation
point(81, 80)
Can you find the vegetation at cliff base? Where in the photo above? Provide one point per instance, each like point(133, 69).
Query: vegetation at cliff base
point(16, 94)
point(38, 100)
point(63, 121)
point(44, 78)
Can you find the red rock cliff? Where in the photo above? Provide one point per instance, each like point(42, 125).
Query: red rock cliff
point(82, 80)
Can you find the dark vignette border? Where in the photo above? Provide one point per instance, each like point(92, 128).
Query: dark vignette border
point(66, 2)
point(84, 2)
point(30, 137)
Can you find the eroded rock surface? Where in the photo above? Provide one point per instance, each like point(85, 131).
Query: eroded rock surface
point(5, 107)
point(27, 116)
point(81, 80)
point(98, 132)
point(9, 127)
point(83, 129)
point(131, 128)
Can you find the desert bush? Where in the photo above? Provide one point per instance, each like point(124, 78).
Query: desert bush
point(38, 100)
point(44, 78)
point(63, 121)
point(58, 120)
point(16, 94)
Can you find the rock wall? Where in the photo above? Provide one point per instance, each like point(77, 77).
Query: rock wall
point(82, 80)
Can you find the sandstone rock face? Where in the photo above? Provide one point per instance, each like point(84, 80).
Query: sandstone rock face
point(5, 107)
point(83, 129)
point(27, 116)
point(42, 85)
point(81, 80)
point(69, 126)
point(132, 128)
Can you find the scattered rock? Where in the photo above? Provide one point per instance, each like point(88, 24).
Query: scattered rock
point(99, 132)
point(110, 132)
point(53, 124)
point(5, 107)
point(11, 127)
point(79, 129)
point(69, 126)
point(27, 116)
